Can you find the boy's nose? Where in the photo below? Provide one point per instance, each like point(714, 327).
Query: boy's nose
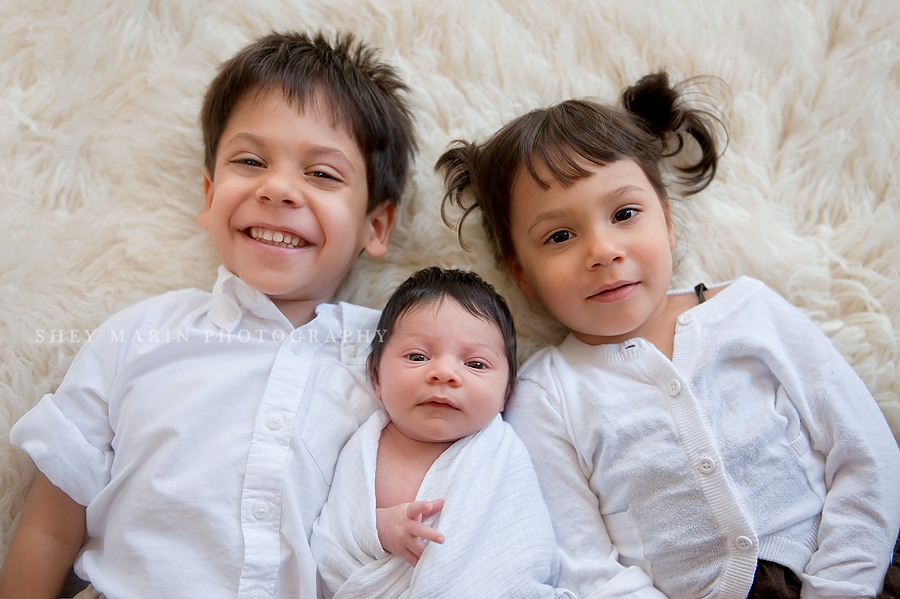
point(281, 187)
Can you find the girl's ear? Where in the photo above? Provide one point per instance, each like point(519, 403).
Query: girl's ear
point(521, 282)
point(667, 211)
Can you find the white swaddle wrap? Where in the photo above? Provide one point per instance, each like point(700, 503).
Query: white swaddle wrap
point(499, 539)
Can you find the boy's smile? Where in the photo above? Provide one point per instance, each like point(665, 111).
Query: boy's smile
point(286, 206)
point(597, 254)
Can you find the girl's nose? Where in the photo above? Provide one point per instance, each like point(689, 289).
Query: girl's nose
point(281, 187)
point(603, 250)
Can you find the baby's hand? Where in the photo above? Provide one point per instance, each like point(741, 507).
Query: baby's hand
point(401, 531)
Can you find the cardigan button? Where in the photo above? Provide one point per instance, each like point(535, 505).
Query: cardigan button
point(743, 543)
point(707, 465)
point(685, 319)
point(674, 387)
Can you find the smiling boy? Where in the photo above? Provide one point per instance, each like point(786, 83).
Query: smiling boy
point(197, 468)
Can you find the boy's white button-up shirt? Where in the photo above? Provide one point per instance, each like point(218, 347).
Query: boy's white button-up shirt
point(202, 431)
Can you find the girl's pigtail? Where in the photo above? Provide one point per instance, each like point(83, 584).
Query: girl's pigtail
point(659, 106)
point(457, 165)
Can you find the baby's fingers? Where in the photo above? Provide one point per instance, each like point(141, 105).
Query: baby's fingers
point(423, 509)
point(422, 531)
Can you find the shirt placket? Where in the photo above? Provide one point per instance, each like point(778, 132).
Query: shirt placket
point(270, 444)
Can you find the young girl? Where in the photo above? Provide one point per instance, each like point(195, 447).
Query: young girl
point(707, 443)
point(443, 365)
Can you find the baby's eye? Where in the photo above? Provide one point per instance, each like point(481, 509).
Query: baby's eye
point(414, 357)
point(322, 175)
point(476, 364)
point(625, 214)
point(559, 237)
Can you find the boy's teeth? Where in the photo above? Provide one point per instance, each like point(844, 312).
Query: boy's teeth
point(274, 237)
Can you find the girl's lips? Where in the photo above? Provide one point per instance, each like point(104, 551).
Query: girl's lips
point(614, 293)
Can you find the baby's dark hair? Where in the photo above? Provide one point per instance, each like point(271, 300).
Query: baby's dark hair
point(433, 285)
point(362, 92)
point(561, 137)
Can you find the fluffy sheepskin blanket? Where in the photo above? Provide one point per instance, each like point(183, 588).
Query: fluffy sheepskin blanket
point(100, 170)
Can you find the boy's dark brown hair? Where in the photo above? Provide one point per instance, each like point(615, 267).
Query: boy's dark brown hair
point(565, 135)
point(364, 96)
point(433, 285)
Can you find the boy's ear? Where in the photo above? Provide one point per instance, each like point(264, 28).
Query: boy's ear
point(379, 224)
point(519, 277)
point(203, 219)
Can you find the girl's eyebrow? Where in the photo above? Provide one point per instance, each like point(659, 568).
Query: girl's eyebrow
point(612, 195)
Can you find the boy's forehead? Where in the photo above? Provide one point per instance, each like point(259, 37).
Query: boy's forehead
point(316, 104)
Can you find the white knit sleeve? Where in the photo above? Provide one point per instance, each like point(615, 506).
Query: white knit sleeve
point(847, 432)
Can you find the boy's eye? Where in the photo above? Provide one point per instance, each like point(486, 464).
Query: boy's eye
point(559, 237)
point(625, 214)
point(476, 364)
point(414, 357)
point(322, 175)
point(247, 161)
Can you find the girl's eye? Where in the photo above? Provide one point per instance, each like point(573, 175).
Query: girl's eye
point(415, 357)
point(559, 237)
point(625, 214)
point(476, 365)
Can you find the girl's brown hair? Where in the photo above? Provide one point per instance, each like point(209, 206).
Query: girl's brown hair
point(561, 137)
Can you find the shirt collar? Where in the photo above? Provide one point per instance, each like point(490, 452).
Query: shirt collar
point(231, 296)
point(353, 327)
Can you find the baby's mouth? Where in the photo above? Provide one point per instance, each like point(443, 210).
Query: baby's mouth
point(276, 238)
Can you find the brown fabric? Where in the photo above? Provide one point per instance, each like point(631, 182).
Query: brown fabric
point(89, 593)
point(891, 588)
point(774, 581)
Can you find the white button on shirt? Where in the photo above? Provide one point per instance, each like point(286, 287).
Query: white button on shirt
point(260, 510)
point(195, 485)
point(275, 422)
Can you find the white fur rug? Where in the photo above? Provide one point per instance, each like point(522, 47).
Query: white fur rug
point(100, 169)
